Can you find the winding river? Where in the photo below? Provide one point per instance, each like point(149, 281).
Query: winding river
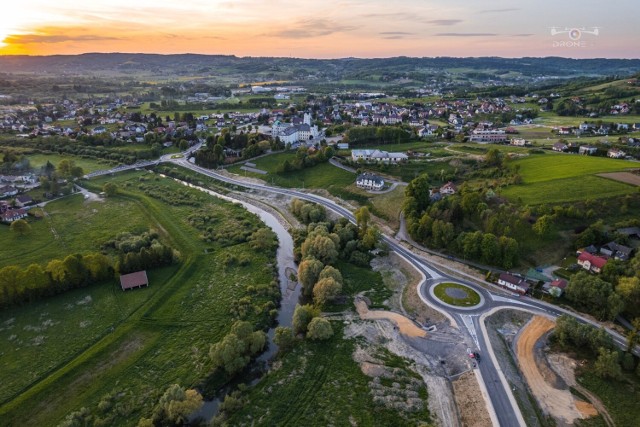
point(290, 290)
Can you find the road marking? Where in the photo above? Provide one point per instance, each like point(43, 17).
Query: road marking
point(468, 323)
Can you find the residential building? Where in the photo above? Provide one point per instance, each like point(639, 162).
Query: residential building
point(13, 215)
point(560, 146)
point(616, 153)
point(8, 191)
point(592, 263)
point(587, 150)
point(617, 251)
point(23, 200)
point(448, 189)
point(369, 182)
point(378, 156)
point(514, 283)
point(488, 135)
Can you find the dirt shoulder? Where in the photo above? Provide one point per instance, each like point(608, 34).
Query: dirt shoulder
point(471, 405)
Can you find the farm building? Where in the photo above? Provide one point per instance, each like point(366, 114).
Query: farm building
point(134, 280)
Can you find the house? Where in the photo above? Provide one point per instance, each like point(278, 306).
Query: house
point(23, 200)
point(555, 287)
point(448, 189)
point(617, 251)
point(515, 283)
point(616, 153)
point(592, 263)
point(377, 156)
point(13, 215)
point(519, 142)
point(8, 191)
point(633, 232)
point(587, 150)
point(134, 280)
point(369, 182)
point(560, 146)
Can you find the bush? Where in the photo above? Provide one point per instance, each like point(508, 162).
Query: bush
point(319, 329)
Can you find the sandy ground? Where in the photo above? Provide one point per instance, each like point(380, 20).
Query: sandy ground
point(553, 400)
point(471, 404)
point(626, 177)
point(565, 366)
point(406, 326)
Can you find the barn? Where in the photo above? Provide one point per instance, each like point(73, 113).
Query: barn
point(134, 280)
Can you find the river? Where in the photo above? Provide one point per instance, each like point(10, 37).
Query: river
point(290, 290)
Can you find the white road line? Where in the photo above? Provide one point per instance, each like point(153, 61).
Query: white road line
point(468, 323)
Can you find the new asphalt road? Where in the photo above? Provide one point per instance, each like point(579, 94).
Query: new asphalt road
point(503, 406)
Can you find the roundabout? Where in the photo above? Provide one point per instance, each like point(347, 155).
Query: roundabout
point(456, 295)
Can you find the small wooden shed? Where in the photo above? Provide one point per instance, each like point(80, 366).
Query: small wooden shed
point(134, 280)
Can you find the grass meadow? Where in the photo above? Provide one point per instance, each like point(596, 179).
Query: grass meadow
point(558, 178)
point(101, 345)
point(88, 165)
point(71, 225)
point(328, 388)
point(321, 176)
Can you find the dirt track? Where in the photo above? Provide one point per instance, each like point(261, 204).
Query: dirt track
point(626, 177)
point(559, 403)
point(406, 326)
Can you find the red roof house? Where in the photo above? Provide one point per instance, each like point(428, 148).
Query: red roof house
point(592, 263)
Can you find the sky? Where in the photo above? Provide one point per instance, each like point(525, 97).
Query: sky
point(324, 28)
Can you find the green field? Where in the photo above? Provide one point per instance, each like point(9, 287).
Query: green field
point(322, 176)
point(72, 225)
point(98, 343)
point(558, 178)
point(89, 165)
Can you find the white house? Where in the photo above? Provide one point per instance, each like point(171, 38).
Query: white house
point(448, 189)
point(8, 191)
point(587, 150)
point(514, 283)
point(369, 182)
point(13, 215)
point(616, 153)
point(488, 135)
point(378, 156)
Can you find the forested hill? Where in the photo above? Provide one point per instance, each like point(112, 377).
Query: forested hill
point(294, 68)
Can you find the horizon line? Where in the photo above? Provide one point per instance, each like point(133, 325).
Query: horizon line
point(317, 58)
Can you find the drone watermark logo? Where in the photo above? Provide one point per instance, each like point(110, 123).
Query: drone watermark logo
point(573, 37)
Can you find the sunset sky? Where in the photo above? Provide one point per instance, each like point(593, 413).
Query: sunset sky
point(323, 29)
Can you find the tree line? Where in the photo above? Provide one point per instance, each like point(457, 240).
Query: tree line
point(361, 135)
point(305, 158)
point(23, 285)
